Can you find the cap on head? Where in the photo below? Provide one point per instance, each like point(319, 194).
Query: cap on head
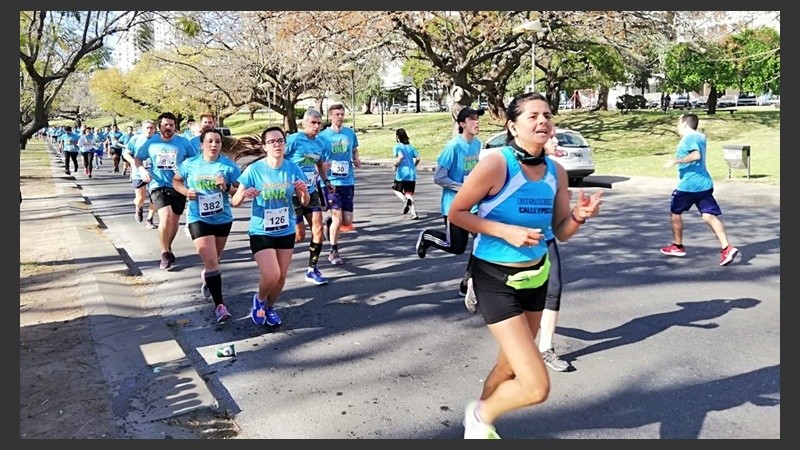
point(467, 112)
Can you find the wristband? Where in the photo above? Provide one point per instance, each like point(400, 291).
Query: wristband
point(572, 214)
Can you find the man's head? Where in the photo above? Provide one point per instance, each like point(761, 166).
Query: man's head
point(468, 120)
point(687, 123)
point(312, 122)
point(167, 122)
point(336, 114)
point(148, 128)
point(208, 120)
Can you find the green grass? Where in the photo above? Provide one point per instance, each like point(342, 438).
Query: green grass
point(633, 144)
point(35, 153)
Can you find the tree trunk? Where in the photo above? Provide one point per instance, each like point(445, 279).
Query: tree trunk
point(602, 98)
point(712, 100)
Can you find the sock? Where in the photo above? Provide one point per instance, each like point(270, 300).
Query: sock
point(477, 409)
point(335, 247)
point(314, 249)
point(678, 245)
point(214, 283)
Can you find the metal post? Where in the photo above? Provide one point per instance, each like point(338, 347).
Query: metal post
point(533, 64)
point(353, 96)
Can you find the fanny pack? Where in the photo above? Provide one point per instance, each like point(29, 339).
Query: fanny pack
point(530, 279)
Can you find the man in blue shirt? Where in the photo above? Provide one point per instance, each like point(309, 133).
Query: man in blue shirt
point(69, 146)
point(343, 159)
point(166, 152)
point(310, 151)
point(695, 187)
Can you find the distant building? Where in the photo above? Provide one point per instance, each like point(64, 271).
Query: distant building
point(126, 51)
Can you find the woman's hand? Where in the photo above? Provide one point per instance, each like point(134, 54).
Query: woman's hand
point(222, 183)
point(191, 194)
point(587, 206)
point(251, 193)
point(522, 236)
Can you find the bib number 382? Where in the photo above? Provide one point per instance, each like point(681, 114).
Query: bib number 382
point(210, 204)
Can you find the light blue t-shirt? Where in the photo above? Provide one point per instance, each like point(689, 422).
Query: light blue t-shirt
point(70, 141)
point(305, 152)
point(165, 158)
point(459, 157)
point(406, 170)
point(342, 143)
point(272, 212)
point(212, 205)
point(115, 138)
point(133, 144)
point(694, 176)
point(195, 141)
point(520, 202)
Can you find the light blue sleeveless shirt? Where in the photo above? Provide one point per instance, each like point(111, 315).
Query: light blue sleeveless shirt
point(520, 202)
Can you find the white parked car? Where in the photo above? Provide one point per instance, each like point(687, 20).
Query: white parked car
point(574, 153)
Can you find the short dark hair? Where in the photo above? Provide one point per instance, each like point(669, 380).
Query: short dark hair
point(691, 120)
point(167, 115)
point(335, 106)
point(272, 128)
point(212, 130)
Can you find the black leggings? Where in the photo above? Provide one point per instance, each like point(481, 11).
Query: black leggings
point(87, 160)
point(553, 299)
point(70, 156)
point(454, 241)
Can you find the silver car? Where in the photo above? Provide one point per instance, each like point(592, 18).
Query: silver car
point(573, 153)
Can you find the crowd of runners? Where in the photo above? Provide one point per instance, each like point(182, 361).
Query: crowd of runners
point(306, 180)
point(514, 201)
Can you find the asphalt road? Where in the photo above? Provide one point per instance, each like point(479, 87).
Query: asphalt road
point(663, 347)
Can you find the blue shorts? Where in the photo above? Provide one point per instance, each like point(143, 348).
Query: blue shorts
point(681, 201)
point(341, 199)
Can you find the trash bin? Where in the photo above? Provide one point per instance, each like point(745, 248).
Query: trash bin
point(737, 156)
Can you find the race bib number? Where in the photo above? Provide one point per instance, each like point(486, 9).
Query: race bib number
point(340, 168)
point(312, 178)
point(210, 204)
point(276, 219)
point(166, 161)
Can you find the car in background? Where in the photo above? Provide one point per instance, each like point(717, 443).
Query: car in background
point(746, 100)
point(224, 131)
point(726, 101)
point(700, 102)
point(681, 102)
point(573, 153)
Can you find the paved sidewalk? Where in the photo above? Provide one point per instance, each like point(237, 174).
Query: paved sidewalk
point(148, 374)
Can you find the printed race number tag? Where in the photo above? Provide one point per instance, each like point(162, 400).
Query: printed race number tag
point(210, 204)
point(276, 219)
point(340, 168)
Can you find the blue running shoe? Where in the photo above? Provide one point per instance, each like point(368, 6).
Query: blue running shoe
point(313, 276)
point(273, 319)
point(259, 311)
